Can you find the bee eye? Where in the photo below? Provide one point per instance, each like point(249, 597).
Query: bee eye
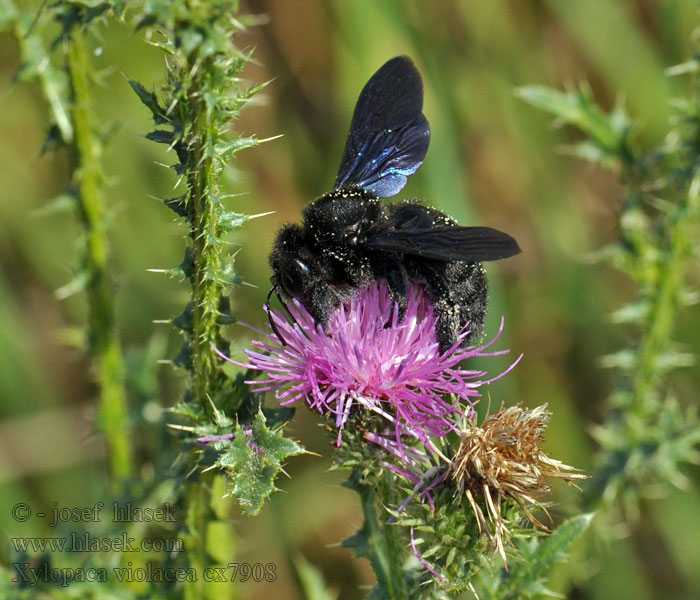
point(293, 276)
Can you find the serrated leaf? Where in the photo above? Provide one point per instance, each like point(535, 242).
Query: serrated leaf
point(183, 358)
point(277, 417)
point(228, 273)
point(150, 100)
point(225, 317)
point(253, 460)
point(526, 575)
point(177, 205)
point(184, 320)
point(93, 12)
point(230, 220)
point(161, 136)
point(358, 542)
point(186, 267)
point(227, 149)
point(579, 109)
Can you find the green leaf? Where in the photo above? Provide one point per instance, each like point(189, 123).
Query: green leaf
point(253, 460)
point(161, 136)
point(74, 286)
point(183, 358)
point(64, 203)
point(150, 100)
point(228, 148)
point(525, 579)
point(608, 132)
point(36, 66)
point(225, 317)
point(227, 275)
point(379, 543)
point(184, 320)
point(634, 312)
point(624, 359)
point(230, 220)
point(278, 417)
point(177, 204)
point(53, 139)
point(592, 152)
point(311, 580)
point(184, 269)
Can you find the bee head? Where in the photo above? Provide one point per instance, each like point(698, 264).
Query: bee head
point(295, 271)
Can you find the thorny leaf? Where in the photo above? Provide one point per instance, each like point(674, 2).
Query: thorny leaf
point(253, 460)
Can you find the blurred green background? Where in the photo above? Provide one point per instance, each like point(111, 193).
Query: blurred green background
point(493, 160)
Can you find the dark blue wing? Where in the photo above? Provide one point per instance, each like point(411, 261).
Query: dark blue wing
point(389, 135)
point(471, 244)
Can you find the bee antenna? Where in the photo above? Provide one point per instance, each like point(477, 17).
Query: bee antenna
point(269, 314)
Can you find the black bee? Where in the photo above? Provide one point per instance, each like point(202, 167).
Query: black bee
point(349, 238)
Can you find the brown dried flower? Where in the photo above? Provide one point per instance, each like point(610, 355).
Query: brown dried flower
point(502, 458)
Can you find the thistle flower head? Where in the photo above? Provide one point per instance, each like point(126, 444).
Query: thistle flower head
point(502, 458)
point(368, 358)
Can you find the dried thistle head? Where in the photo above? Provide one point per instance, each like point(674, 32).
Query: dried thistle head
point(502, 458)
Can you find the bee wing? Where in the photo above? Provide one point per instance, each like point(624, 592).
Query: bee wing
point(389, 135)
point(471, 244)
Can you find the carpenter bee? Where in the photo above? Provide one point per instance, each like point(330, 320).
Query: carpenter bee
point(349, 238)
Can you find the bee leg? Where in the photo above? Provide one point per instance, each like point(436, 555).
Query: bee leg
point(323, 301)
point(397, 284)
point(458, 293)
point(448, 310)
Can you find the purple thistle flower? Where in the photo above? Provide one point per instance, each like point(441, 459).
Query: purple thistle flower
point(367, 358)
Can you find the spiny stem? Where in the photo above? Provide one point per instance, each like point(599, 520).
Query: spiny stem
point(197, 519)
point(104, 343)
point(662, 312)
point(384, 546)
point(206, 251)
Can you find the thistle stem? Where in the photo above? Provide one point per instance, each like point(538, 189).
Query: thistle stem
point(104, 343)
point(207, 252)
point(384, 547)
point(197, 519)
point(662, 312)
point(207, 289)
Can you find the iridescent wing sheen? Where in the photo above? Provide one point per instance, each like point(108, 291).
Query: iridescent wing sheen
point(389, 135)
point(471, 244)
